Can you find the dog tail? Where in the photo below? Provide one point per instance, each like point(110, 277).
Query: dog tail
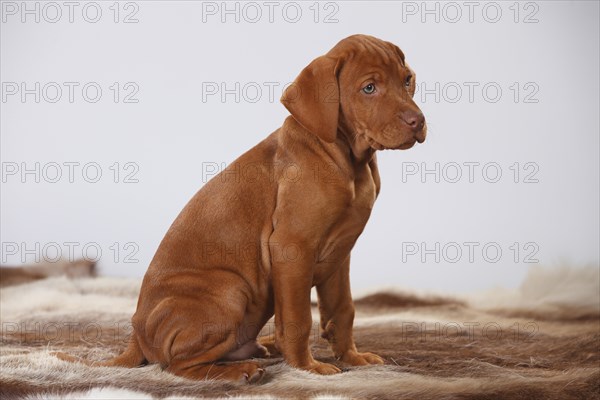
point(132, 357)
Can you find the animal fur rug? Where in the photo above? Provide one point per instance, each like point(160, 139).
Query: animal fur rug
point(541, 341)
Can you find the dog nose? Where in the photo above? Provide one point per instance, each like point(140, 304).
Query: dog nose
point(414, 119)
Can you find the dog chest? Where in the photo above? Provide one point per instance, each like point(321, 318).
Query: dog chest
point(350, 221)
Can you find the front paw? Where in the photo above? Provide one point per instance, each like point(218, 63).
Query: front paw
point(355, 358)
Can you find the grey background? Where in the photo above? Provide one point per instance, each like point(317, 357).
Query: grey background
point(172, 133)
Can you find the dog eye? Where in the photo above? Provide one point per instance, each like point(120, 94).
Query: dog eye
point(369, 89)
point(408, 79)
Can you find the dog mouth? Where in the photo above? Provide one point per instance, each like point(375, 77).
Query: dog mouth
point(408, 145)
point(374, 144)
point(421, 135)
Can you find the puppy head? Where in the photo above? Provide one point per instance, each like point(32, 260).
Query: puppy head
point(364, 87)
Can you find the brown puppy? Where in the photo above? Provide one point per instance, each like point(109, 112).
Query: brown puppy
point(279, 220)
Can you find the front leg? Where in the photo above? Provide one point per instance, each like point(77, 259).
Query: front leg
point(292, 282)
point(337, 316)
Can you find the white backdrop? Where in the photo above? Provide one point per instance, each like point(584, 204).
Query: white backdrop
point(507, 88)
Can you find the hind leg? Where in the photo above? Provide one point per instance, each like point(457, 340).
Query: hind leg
point(248, 372)
point(194, 361)
point(268, 342)
point(201, 357)
point(192, 344)
point(250, 349)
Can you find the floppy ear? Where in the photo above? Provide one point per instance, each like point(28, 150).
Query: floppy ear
point(314, 98)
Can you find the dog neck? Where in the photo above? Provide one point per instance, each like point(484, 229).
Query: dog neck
point(347, 149)
point(356, 145)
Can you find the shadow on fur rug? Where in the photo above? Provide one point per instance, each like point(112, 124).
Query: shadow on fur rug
point(541, 341)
